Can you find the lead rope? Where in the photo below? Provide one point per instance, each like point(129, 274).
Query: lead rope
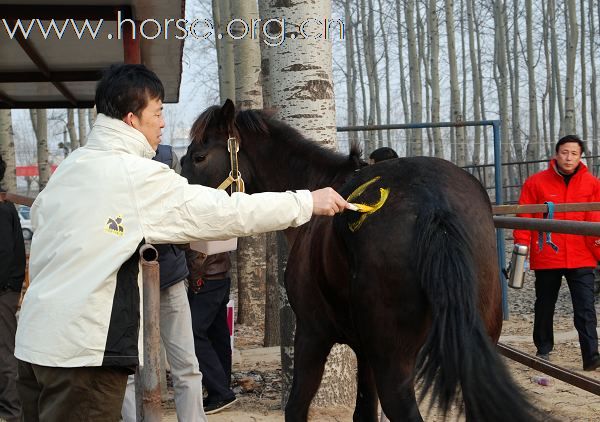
point(236, 183)
point(549, 216)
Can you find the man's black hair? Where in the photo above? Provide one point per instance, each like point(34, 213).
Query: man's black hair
point(127, 88)
point(570, 138)
point(383, 153)
point(2, 168)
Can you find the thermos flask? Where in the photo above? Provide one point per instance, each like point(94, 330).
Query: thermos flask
point(516, 271)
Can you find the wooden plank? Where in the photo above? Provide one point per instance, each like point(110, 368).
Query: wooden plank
point(543, 208)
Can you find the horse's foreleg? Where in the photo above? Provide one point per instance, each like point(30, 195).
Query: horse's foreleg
point(310, 355)
point(366, 397)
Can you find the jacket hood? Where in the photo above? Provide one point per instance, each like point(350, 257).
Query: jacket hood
point(116, 135)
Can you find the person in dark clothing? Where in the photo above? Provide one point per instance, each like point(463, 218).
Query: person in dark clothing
point(175, 326)
point(208, 294)
point(381, 154)
point(12, 274)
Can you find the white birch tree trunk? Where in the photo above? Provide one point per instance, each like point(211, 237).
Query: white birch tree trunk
point(593, 84)
point(221, 17)
point(556, 66)
point(39, 120)
point(501, 80)
point(406, 105)
point(454, 87)
point(547, 96)
point(73, 139)
point(476, 81)
point(7, 151)
point(515, 84)
point(433, 35)
point(301, 75)
point(81, 122)
point(91, 115)
point(583, 64)
point(533, 152)
point(371, 71)
point(351, 78)
point(251, 252)
point(415, 145)
point(573, 32)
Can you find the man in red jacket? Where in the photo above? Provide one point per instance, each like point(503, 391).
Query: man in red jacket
point(566, 180)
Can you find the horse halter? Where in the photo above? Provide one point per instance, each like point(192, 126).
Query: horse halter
point(236, 183)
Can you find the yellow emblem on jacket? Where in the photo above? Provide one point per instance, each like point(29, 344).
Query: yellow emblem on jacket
point(115, 226)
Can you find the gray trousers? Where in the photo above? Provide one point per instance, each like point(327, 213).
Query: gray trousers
point(10, 408)
point(177, 337)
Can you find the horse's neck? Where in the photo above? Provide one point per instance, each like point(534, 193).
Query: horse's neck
point(312, 174)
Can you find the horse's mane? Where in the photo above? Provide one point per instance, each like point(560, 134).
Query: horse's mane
point(201, 124)
point(298, 146)
point(263, 123)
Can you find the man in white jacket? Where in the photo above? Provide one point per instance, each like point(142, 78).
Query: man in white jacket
point(77, 338)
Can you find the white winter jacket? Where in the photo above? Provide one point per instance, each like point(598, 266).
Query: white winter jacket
point(101, 204)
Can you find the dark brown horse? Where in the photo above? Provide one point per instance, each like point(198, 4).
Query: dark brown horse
point(412, 287)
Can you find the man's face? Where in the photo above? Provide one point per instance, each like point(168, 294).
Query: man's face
point(150, 122)
point(568, 157)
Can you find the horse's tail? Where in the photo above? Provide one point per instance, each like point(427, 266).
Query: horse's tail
point(458, 356)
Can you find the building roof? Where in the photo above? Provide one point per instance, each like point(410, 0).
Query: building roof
point(40, 69)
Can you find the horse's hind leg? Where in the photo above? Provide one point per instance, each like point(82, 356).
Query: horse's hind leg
point(310, 355)
point(397, 396)
point(366, 395)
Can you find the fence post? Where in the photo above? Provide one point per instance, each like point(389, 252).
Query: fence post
point(148, 379)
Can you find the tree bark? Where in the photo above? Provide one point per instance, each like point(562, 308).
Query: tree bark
point(572, 32)
point(371, 71)
point(415, 146)
point(7, 151)
point(272, 298)
point(454, 86)
point(433, 33)
point(406, 105)
point(557, 86)
point(476, 83)
point(386, 60)
point(81, 122)
point(251, 253)
point(501, 76)
point(582, 56)
point(221, 16)
point(301, 72)
point(351, 78)
point(593, 84)
point(547, 97)
point(39, 119)
point(481, 96)
point(533, 146)
point(515, 83)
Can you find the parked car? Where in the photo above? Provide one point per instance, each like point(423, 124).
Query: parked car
point(25, 218)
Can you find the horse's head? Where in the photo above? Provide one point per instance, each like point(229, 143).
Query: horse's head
point(207, 161)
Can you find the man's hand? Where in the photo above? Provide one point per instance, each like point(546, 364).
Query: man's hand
point(326, 201)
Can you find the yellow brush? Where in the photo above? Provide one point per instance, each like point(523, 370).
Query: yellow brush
point(361, 207)
point(366, 209)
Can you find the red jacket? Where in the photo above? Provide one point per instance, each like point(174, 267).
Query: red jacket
point(574, 251)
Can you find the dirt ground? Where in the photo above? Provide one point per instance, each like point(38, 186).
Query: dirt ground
point(257, 371)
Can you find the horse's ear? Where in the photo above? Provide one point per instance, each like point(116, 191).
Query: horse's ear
point(228, 113)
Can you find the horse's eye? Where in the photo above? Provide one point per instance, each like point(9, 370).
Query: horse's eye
point(198, 158)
